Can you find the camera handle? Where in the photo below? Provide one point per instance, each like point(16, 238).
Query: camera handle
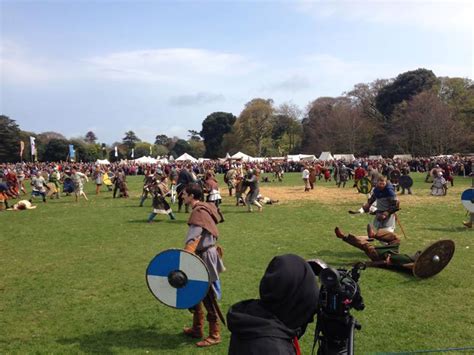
point(329, 347)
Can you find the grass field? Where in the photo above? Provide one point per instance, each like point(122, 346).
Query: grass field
point(73, 274)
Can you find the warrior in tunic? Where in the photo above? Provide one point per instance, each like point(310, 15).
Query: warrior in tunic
point(201, 239)
point(439, 186)
point(160, 191)
point(383, 228)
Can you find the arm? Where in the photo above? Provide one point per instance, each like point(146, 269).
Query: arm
point(193, 238)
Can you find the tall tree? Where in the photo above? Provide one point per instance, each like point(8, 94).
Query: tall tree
point(90, 137)
point(56, 150)
point(9, 140)
point(403, 88)
point(194, 135)
point(130, 139)
point(255, 123)
point(162, 139)
point(214, 127)
point(180, 147)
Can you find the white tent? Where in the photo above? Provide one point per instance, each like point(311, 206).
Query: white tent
point(243, 156)
point(258, 160)
point(202, 160)
point(187, 157)
point(375, 157)
point(298, 157)
point(403, 157)
point(163, 160)
point(102, 162)
point(345, 157)
point(146, 160)
point(325, 156)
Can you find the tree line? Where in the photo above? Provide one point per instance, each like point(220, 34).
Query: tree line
point(416, 113)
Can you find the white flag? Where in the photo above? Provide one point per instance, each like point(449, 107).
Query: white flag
point(133, 153)
point(33, 145)
point(116, 152)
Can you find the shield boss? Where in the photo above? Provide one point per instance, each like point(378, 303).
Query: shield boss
point(434, 259)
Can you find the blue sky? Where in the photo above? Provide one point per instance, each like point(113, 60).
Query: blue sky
point(160, 67)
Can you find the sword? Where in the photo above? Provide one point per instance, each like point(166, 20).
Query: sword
point(215, 305)
point(401, 227)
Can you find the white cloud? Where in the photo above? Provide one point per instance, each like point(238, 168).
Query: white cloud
point(201, 98)
point(455, 15)
point(172, 65)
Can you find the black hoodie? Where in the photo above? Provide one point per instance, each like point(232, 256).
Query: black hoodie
point(288, 301)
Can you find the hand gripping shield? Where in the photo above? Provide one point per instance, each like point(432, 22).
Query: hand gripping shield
point(364, 185)
point(433, 259)
point(177, 278)
point(467, 199)
point(405, 181)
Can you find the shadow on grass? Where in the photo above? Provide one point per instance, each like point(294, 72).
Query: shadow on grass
point(137, 338)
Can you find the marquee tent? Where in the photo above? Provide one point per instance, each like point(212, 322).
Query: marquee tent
point(375, 157)
point(102, 162)
point(146, 160)
point(298, 157)
point(345, 157)
point(243, 156)
point(187, 157)
point(325, 156)
point(403, 157)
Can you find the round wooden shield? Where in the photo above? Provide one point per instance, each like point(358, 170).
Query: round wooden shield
point(177, 278)
point(467, 199)
point(395, 175)
point(364, 185)
point(406, 181)
point(434, 259)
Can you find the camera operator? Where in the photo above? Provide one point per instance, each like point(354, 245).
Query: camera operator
point(273, 324)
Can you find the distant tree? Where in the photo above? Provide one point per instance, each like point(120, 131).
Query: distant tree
point(194, 135)
point(9, 140)
point(181, 147)
point(287, 131)
point(130, 139)
point(162, 139)
point(214, 127)
point(427, 126)
point(196, 148)
point(161, 150)
point(254, 124)
point(143, 149)
point(404, 87)
point(56, 150)
point(90, 137)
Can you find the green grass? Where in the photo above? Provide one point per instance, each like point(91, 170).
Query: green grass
point(73, 274)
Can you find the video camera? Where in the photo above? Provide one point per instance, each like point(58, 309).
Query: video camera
point(339, 293)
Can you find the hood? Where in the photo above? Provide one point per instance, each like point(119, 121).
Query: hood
point(249, 319)
point(289, 290)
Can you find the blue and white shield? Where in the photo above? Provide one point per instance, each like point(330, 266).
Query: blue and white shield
point(467, 199)
point(177, 278)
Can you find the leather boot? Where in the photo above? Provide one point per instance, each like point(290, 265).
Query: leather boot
point(214, 337)
point(196, 331)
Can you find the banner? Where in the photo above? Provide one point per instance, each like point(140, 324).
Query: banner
point(72, 153)
point(22, 148)
point(133, 153)
point(150, 150)
point(116, 152)
point(33, 146)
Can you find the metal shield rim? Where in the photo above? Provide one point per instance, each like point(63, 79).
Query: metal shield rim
point(468, 205)
point(452, 250)
point(404, 178)
point(180, 250)
point(369, 183)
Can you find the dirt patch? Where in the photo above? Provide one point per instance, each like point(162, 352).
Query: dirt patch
point(333, 195)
